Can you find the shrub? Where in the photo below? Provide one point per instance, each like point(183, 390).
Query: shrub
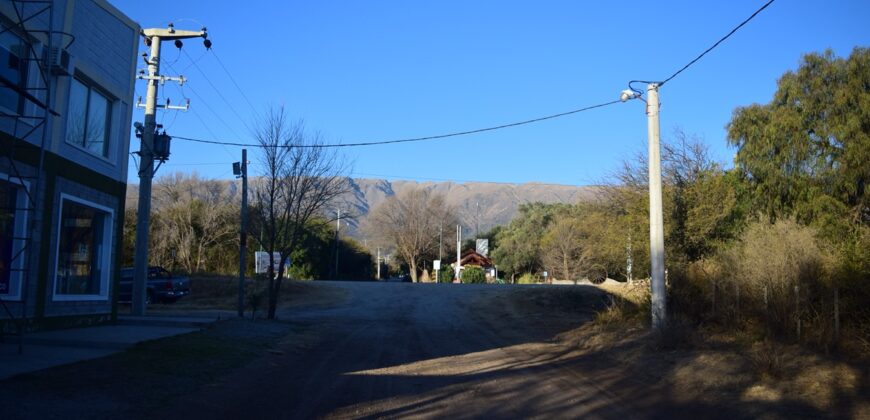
point(445, 275)
point(528, 278)
point(768, 359)
point(473, 274)
point(775, 261)
point(773, 276)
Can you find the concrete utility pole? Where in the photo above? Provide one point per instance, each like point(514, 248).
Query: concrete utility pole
point(656, 225)
point(153, 38)
point(243, 231)
point(458, 250)
point(337, 228)
point(440, 248)
point(628, 261)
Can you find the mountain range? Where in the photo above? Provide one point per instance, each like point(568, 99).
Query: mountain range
point(480, 205)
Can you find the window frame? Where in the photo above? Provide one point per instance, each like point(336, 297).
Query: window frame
point(22, 106)
point(16, 279)
point(105, 254)
point(91, 88)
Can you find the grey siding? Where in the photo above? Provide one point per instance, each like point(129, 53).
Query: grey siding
point(104, 43)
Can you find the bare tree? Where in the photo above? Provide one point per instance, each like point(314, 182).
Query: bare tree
point(299, 181)
point(192, 216)
point(563, 249)
point(411, 222)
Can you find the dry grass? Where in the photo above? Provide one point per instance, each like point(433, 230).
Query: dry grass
point(221, 293)
point(724, 366)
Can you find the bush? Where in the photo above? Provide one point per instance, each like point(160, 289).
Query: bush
point(473, 274)
point(528, 278)
point(778, 266)
point(445, 275)
point(772, 276)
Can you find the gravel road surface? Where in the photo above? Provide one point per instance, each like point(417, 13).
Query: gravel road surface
point(416, 350)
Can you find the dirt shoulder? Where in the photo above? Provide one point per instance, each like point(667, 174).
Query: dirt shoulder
point(695, 370)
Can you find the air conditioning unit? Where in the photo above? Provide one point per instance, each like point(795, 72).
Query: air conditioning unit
point(60, 61)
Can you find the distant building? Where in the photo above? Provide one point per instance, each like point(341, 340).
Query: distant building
point(67, 72)
point(472, 257)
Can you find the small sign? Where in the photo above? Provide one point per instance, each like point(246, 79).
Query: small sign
point(262, 261)
point(436, 265)
point(482, 246)
point(545, 274)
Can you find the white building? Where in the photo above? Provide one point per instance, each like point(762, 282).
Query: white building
point(67, 72)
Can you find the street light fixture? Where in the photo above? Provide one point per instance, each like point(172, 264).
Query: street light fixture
point(628, 94)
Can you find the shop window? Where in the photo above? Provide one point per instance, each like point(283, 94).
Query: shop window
point(84, 244)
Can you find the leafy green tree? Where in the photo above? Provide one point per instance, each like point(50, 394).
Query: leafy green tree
point(519, 243)
point(812, 140)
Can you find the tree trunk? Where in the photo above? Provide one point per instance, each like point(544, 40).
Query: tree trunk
point(836, 315)
point(274, 285)
point(737, 292)
point(565, 265)
point(797, 311)
point(413, 264)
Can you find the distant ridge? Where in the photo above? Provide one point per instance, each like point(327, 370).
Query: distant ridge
point(498, 202)
point(480, 204)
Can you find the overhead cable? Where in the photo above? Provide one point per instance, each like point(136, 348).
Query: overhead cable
point(408, 140)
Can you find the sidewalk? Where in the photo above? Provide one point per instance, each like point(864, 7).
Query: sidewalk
point(45, 349)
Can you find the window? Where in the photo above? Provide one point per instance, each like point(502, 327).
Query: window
point(84, 244)
point(13, 69)
point(88, 119)
point(12, 225)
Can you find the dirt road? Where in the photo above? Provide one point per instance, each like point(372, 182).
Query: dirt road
point(394, 350)
point(421, 350)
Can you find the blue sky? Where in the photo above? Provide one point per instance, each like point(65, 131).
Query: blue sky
point(380, 70)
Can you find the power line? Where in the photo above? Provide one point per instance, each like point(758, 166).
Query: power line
point(221, 95)
point(408, 140)
point(201, 120)
point(716, 44)
point(204, 103)
point(233, 79)
point(198, 164)
point(455, 134)
point(362, 175)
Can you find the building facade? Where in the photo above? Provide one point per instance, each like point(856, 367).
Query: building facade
point(67, 73)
